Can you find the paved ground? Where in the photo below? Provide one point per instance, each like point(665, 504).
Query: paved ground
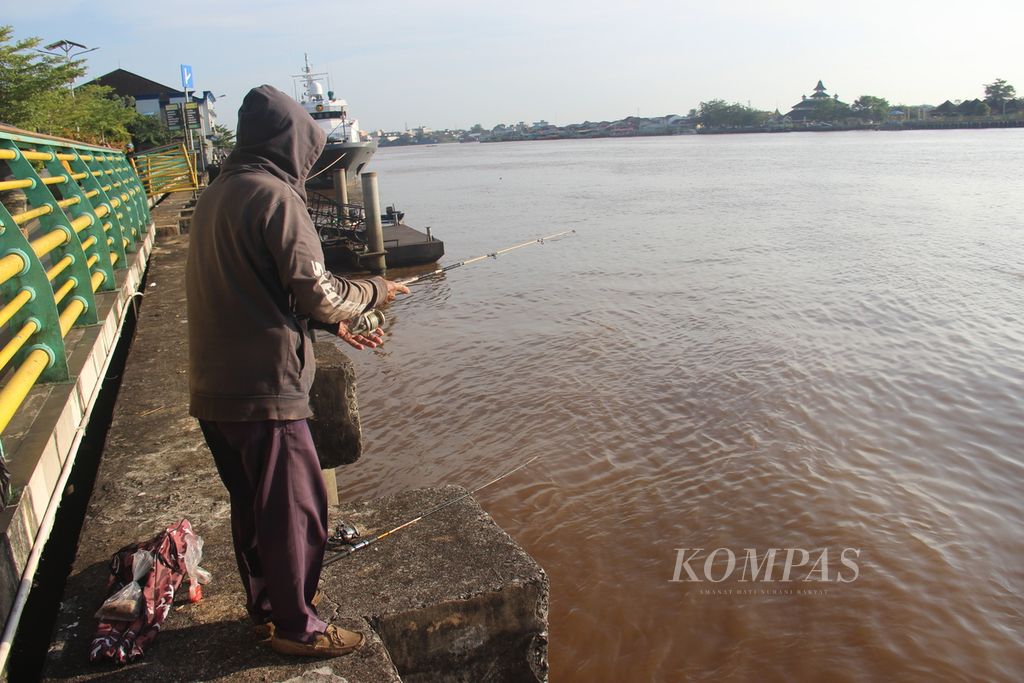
point(155, 470)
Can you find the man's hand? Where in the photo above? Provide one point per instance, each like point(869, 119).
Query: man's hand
point(395, 288)
point(360, 341)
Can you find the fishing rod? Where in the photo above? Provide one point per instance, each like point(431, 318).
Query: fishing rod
point(493, 254)
point(344, 541)
point(371, 320)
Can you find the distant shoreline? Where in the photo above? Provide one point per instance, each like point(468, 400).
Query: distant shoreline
point(921, 124)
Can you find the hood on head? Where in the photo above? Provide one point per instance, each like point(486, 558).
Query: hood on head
point(277, 135)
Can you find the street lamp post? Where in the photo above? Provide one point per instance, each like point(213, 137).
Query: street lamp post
point(67, 47)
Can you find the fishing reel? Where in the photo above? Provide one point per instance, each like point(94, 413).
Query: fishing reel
point(344, 534)
point(367, 322)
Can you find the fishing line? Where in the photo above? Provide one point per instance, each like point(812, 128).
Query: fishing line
point(344, 541)
point(493, 254)
point(327, 167)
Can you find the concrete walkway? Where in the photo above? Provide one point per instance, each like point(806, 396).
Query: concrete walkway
point(155, 471)
point(452, 599)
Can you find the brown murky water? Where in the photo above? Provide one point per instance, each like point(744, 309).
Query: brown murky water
point(806, 344)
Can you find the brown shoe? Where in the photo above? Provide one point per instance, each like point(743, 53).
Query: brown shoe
point(331, 643)
point(265, 631)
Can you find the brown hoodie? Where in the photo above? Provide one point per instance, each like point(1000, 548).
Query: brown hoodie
point(255, 272)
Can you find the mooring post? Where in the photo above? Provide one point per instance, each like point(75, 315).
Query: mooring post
point(340, 188)
point(374, 259)
point(331, 484)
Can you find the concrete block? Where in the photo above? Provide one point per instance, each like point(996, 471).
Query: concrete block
point(453, 597)
point(39, 498)
point(168, 230)
point(67, 423)
point(19, 522)
point(50, 463)
point(335, 423)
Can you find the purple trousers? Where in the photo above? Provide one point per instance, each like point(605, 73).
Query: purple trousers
point(278, 517)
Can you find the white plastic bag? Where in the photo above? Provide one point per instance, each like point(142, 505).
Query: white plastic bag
point(196, 574)
point(126, 604)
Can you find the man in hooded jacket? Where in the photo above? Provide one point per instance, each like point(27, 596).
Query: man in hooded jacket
point(255, 277)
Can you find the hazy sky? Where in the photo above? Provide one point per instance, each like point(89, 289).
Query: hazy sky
point(450, 63)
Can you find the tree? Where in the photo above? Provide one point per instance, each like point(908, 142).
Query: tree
point(830, 110)
point(716, 113)
point(223, 140)
point(148, 132)
point(34, 95)
point(477, 128)
point(94, 114)
point(26, 75)
point(998, 93)
point(871, 108)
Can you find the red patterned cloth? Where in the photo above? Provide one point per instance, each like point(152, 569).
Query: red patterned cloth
point(123, 641)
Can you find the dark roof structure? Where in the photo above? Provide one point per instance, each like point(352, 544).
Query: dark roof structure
point(128, 84)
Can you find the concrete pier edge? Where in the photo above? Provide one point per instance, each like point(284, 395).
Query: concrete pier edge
point(453, 598)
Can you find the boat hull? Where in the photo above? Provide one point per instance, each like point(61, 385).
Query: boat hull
point(404, 246)
point(351, 156)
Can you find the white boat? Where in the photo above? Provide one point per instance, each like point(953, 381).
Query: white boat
point(347, 146)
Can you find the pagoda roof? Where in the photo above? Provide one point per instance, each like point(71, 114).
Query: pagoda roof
point(820, 86)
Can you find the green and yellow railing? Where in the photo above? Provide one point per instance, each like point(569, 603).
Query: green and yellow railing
point(167, 169)
point(71, 212)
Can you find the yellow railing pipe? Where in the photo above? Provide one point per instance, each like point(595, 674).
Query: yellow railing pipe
point(15, 184)
point(11, 265)
point(36, 156)
point(64, 290)
point(70, 314)
point(81, 223)
point(48, 242)
point(20, 384)
point(26, 216)
point(17, 341)
point(14, 305)
point(59, 267)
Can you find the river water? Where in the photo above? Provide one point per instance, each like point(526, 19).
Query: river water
point(802, 348)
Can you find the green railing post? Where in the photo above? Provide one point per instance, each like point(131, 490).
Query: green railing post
point(40, 307)
point(91, 184)
point(84, 207)
point(39, 195)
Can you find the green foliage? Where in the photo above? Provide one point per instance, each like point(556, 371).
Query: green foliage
point(34, 95)
point(222, 137)
point(25, 74)
point(830, 110)
point(94, 114)
point(148, 132)
point(719, 113)
point(998, 93)
point(871, 108)
point(223, 140)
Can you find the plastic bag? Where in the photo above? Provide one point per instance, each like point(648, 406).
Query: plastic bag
point(196, 574)
point(126, 604)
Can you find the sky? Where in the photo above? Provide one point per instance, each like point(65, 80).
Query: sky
point(453, 63)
